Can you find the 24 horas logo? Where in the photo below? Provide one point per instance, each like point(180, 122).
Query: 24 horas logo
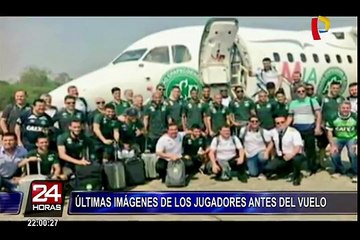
point(46, 199)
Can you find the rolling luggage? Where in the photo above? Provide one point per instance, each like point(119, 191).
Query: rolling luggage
point(88, 178)
point(150, 160)
point(134, 171)
point(115, 173)
point(175, 174)
point(24, 183)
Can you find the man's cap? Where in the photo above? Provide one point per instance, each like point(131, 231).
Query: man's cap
point(131, 112)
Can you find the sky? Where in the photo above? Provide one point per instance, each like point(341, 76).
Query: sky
point(78, 45)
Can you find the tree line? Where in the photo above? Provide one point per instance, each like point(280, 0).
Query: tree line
point(35, 81)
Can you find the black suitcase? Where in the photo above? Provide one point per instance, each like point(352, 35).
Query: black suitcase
point(134, 171)
point(89, 177)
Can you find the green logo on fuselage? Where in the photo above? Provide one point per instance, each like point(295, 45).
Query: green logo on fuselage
point(184, 77)
point(333, 74)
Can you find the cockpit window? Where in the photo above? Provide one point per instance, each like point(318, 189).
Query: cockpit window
point(131, 55)
point(180, 54)
point(158, 55)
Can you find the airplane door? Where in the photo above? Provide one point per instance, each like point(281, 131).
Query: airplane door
point(216, 51)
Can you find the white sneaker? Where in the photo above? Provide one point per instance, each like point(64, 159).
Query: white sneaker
point(335, 175)
point(261, 177)
point(354, 179)
point(305, 173)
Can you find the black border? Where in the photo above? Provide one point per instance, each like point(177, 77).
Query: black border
point(187, 229)
point(183, 8)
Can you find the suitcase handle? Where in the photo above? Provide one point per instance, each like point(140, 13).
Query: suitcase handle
point(146, 145)
point(116, 150)
point(38, 167)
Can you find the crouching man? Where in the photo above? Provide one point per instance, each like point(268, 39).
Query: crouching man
point(257, 146)
point(49, 161)
point(289, 157)
point(226, 151)
point(195, 147)
point(72, 148)
point(169, 148)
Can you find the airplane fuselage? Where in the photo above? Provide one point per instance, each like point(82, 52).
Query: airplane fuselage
point(173, 57)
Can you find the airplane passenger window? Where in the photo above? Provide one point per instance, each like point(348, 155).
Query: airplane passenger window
point(131, 55)
point(303, 57)
point(158, 55)
point(276, 57)
point(180, 54)
point(316, 58)
point(290, 57)
point(327, 58)
point(349, 58)
point(338, 58)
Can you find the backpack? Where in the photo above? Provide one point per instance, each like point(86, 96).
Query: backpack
point(175, 174)
point(225, 174)
point(242, 136)
point(218, 140)
point(233, 140)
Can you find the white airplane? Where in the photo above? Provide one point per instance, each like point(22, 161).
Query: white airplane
point(221, 53)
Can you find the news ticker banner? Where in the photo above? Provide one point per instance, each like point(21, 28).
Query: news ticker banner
point(46, 199)
point(204, 203)
point(10, 203)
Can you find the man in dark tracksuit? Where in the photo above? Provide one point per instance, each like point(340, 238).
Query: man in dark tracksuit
point(264, 110)
point(31, 124)
point(194, 112)
point(240, 108)
point(156, 118)
point(280, 108)
point(329, 109)
point(67, 114)
point(106, 130)
point(131, 129)
point(12, 112)
point(217, 116)
point(175, 107)
point(74, 149)
point(195, 147)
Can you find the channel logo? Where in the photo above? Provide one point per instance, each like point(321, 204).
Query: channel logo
point(46, 199)
point(315, 26)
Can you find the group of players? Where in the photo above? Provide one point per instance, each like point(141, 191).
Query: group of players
point(267, 138)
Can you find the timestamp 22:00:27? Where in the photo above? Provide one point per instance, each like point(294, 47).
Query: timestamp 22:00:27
point(42, 222)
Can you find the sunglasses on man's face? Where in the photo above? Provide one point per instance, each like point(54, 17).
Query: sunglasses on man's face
point(309, 89)
point(100, 102)
point(301, 91)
